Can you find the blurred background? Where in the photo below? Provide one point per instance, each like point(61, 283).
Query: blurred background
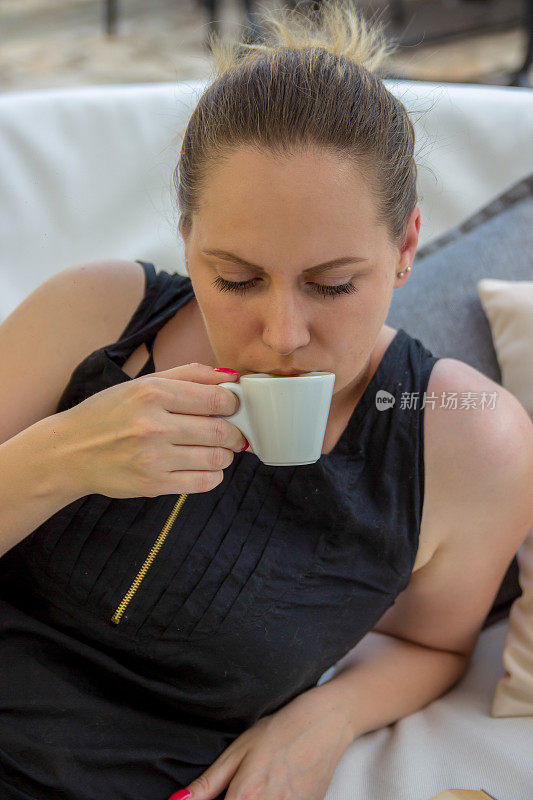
point(59, 43)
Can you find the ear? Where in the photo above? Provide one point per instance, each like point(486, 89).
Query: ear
point(406, 253)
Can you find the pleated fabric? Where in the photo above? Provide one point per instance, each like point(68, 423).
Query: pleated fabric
point(261, 585)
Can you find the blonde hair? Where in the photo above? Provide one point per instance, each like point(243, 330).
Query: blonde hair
point(310, 82)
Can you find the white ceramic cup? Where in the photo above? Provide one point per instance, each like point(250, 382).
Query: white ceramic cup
point(283, 418)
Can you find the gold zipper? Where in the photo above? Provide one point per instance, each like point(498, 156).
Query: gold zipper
point(149, 559)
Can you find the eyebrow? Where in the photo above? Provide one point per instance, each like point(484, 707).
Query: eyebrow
point(316, 270)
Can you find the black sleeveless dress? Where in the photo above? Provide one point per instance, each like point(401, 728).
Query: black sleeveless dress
point(130, 662)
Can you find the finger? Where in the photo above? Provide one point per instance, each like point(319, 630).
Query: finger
point(197, 397)
point(216, 778)
point(201, 373)
point(178, 457)
point(189, 430)
point(189, 397)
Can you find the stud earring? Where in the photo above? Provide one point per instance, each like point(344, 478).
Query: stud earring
point(400, 274)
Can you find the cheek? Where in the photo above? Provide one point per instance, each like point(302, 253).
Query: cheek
point(216, 306)
point(220, 305)
point(229, 321)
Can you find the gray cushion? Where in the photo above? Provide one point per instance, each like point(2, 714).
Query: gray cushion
point(439, 303)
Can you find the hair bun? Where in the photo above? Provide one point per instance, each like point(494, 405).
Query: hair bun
point(309, 82)
point(338, 26)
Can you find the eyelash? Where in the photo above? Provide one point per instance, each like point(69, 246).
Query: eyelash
point(242, 286)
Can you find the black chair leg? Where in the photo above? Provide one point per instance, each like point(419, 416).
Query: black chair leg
point(521, 77)
point(397, 11)
point(111, 16)
point(252, 23)
point(211, 6)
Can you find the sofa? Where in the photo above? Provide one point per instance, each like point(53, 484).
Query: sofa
point(87, 173)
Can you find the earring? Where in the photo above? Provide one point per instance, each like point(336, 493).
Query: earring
point(400, 274)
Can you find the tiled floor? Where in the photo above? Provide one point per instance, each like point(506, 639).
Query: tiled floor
point(54, 43)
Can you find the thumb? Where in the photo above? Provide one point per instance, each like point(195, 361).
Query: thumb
point(210, 783)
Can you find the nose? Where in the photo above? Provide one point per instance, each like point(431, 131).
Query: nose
point(286, 327)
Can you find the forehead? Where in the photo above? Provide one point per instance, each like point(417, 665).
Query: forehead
point(314, 189)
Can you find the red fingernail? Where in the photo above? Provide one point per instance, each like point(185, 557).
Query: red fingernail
point(183, 794)
point(223, 369)
point(245, 446)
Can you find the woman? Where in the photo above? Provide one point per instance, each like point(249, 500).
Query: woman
point(168, 602)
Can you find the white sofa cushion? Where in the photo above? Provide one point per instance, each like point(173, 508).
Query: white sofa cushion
point(87, 172)
point(451, 743)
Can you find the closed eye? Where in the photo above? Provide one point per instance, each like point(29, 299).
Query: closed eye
point(243, 286)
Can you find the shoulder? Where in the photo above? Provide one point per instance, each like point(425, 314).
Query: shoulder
point(112, 273)
point(108, 289)
point(74, 312)
point(478, 508)
point(478, 443)
point(473, 416)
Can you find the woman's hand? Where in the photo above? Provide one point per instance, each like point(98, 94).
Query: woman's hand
point(289, 755)
point(154, 435)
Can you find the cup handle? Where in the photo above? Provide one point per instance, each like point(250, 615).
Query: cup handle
point(240, 417)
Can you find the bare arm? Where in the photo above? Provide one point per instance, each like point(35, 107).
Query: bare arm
point(482, 467)
point(35, 481)
point(385, 679)
point(423, 643)
point(72, 313)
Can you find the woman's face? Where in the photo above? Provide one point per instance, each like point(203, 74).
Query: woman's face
point(284, 217)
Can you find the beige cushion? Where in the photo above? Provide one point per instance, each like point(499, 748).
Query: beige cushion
point(462, 794)
point(508, 306)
